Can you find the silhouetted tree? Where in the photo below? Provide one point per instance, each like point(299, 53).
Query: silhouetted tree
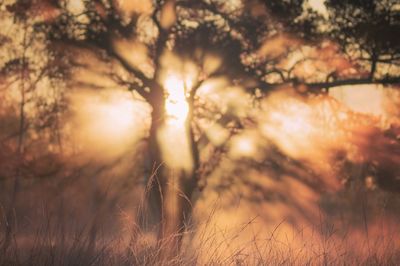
point(251, 41)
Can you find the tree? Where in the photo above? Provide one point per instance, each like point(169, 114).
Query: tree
point(29, 112)
point(367, 33)
point(164, 51)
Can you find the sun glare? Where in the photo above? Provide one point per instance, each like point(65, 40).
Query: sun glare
point(109, 120)
point(119, 115)
point(176, 105)
point(174, 133)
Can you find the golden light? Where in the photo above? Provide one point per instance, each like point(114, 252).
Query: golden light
point(109, 120)
point(367, 99)
point(245, 146)
point(118, 115)
point(177, 77)
point(174, 133)
point(291, 124)
point(318, 6)
point(176, 105)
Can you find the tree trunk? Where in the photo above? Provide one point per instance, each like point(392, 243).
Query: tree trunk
point(155, 180)
point(169, 189)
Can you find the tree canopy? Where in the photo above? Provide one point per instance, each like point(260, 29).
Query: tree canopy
point(259, 56)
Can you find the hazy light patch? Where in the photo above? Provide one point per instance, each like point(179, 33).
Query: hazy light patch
point(319, 6)
point(289, 123)
point(211, 64)
point(75, 6)
point(176, 105)
point(395, 7)
point(243, 145)
point(313, 129)
point(108, 121)
point(176, 149)
point(227, 98)
point(232, 6)
point(381, 103)
point(129, 7)
point(175, 68)
point(321, 132)
point(217, 134)
point(177, 78)
point(211, 86)
point(367, 99)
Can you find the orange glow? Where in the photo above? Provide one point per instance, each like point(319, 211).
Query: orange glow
point(119, 114)
point(292, 125)
point(175, 147)
point(109, 120)
point(366, 99)
point(135, 6)
point(314, 129)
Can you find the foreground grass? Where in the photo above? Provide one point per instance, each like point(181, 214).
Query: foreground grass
point(211, 247)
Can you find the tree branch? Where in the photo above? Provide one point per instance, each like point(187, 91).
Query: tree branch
point(315, 86)
point(112, 54)
point(361, 81)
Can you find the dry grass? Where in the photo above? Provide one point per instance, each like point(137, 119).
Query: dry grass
point(323, 245)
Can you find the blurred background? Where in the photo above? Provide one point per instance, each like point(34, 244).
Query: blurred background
point(273, 127)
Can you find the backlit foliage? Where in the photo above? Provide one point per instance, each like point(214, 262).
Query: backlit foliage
point(173, 123)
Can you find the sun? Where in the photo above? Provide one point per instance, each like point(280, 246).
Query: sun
point(176, 105)
point(174, 132)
